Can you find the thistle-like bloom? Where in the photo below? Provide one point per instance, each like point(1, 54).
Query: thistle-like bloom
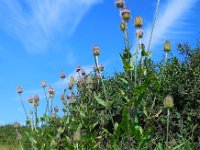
point(102, 67)
point(16, 125)
point(96, 51)
point(30, 100)
point(138, 22)
point(19, 89)
point(51, 92)
point(78, 68)
point(126, 14)
point(119, 3)
point(123, 26)
point(168, 102)
point(139, 33)
point(56, 109)
point(62, 75)
point(83, 72)
point(167, 46)
point(44, 83)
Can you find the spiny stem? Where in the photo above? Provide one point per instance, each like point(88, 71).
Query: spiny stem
point(23, 106)
point(152, 29)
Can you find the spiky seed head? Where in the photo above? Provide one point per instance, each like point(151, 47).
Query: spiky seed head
point(62, 75)
point(167, 46)
point(44, 83)
point(138, 22)
point(123, 26)
point(139, 33)
point(168, 102)
point(16, 125)
point(126, 14)
point(19, 89)
point(96, 50)
point(119, 3)
point(56, 109)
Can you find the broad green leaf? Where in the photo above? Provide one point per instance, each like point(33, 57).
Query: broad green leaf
point(101, 102)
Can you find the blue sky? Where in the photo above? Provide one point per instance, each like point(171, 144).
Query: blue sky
point(41, 38)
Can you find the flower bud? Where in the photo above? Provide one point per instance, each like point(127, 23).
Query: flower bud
point(123, 26)
point(119, 3)
point(126, 14)
point(139, 33)
point(96, 51)
point(167, 46)
point(56, 109)
point(62, 75)
point(138, 22)
point(44, 83)
point(19, 89)
point(168, 102)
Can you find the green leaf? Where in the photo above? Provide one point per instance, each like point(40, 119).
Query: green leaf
point(127, 66)
point(143, 52)
point(117, 130)
point(126, 121)
point(101, 102)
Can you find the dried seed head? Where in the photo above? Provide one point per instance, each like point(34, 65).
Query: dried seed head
point(16, 125)
point(139, 33)
point(119, 3)
point(123, 26)
point(167, 46)
point(77, 136)
point(126, 14)
point(96, 50)
point(19, 89)
point(30, 100)
point(62, 75)
point(56, 109)
point(138, 22)
point(168, 102)
point(44, 83)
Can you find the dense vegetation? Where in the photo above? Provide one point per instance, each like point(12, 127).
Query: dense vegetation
point(147, 106)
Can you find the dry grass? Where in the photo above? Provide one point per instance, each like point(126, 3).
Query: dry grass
point(6, 147)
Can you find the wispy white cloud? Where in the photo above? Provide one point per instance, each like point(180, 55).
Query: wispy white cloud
point(35, 23)
point(174, 17)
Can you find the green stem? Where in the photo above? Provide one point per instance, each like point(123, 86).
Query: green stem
point(47, 106)
point(166, 55)
point(36, 121)
point(23, 106)
point(168, 114)
point(152, 29)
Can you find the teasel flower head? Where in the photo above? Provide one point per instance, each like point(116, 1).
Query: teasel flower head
point(30, 100)
point(123, 26)
point(96, 50)
point(139, 33)
point(16, 125)
point(138, 22)
point(71, 80)
point(119, 3)
point(95, 69)
point(44, 83)
point(167, 46)
point(80, 79)
point(78, 68)
point(51, 92)
point(62, 97)
point(19, 89)
point(126, 14)
point(102, 67)
point(83, 72)
point(56, 109)
point(69, 96)
point(62, 75)
point(36, 100)
point(168, 102)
